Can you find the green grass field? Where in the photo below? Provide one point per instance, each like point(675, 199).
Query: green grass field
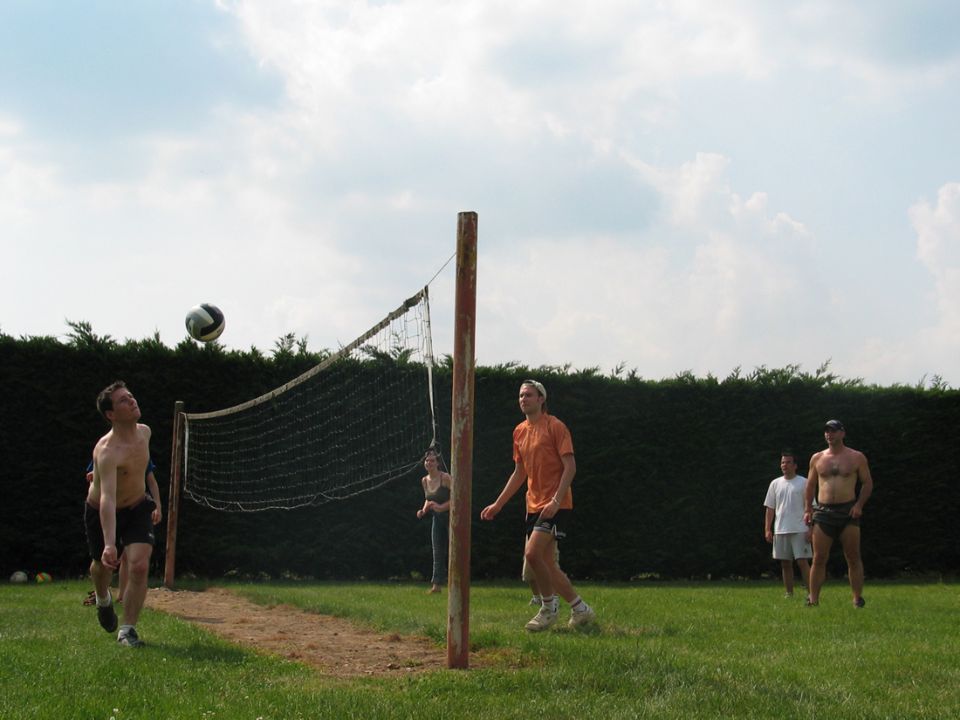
point(706, 650)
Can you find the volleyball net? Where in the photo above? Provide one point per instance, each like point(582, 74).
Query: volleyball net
point(359, 419)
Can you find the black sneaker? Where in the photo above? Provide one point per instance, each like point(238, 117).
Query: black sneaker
point(107, 617)
point(130, 638)
point(859, 602)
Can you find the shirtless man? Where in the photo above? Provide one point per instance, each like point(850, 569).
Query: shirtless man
point(153, 491)
point(833, 477)
point(118, 511)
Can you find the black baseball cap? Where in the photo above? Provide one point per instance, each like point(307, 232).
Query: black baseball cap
point(833, 425)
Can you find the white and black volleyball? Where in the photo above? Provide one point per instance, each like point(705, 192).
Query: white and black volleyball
point(205, 322)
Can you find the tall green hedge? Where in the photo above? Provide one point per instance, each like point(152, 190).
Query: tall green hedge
point(671, 473)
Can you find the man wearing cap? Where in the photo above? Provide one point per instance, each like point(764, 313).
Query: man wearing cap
point(835, 515)
point(543, 458)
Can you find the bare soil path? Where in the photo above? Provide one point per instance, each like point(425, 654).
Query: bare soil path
point(333, 645)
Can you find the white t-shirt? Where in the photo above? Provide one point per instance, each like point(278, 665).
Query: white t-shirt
point(786, 499)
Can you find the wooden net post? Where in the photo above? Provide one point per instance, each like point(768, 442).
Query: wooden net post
point(173, 500)
point(461, 443)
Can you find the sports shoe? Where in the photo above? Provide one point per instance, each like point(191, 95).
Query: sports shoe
point(787, 595)
point(811, 603)
point(859, 602)
point(130, 638)
point(582, 617)
point(535, 601)
point(107, 617)
point(542, 620)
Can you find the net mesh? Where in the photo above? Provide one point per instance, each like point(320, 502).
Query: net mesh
point(358, 420)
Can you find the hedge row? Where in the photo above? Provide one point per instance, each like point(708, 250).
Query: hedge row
point(671, 473)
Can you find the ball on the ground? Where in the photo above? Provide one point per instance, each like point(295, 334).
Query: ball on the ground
point(43, 577)
point(205, 322)
point(18, 576)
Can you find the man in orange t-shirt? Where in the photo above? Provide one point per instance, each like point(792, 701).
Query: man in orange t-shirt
point(543, 458)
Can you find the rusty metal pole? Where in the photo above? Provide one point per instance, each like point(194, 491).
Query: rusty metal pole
point(461, 443)
point(173, 499)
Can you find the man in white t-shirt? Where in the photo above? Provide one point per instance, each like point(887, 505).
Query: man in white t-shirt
point(789, 534)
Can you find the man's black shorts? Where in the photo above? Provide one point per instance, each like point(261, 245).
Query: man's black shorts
point(833, 518)
point(134, 525)
point(558, 525)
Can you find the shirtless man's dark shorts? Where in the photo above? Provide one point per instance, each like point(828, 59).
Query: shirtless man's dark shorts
point(834, 517)
point(134, 525)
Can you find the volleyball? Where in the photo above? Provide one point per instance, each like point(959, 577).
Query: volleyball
point(43, 577)
point(18, 576)
point(205, 322)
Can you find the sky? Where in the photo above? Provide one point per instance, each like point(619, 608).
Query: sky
point(667, 187)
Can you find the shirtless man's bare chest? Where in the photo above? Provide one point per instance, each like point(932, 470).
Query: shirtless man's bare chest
point(837, 475)
point(121, 460)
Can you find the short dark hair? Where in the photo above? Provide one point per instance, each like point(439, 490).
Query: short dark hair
point(105, 398)
point(787, 452)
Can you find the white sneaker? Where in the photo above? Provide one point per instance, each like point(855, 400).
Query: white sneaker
point(582, 617)
point(542, 620)
point(129, 638)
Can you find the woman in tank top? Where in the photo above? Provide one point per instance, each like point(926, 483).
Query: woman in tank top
point(436, 492)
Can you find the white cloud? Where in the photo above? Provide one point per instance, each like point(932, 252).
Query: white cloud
point(712, 286)
point(880, 50)
point(538, 66)
point(913, 352)
point(674, 172)
point(695, 194)
point(518, 67)
point(206, 220)
point(938, 248)
point(24, 180)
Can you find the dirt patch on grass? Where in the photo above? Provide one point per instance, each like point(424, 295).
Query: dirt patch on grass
point(335, 646)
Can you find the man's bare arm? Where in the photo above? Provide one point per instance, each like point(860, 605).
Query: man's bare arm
point(154, 490)
point(866, 486)
point(106, 470)
point(810, 491)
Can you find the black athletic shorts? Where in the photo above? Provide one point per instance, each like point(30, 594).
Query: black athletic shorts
point(558, 525)
point(134, 525)
point(833, 518)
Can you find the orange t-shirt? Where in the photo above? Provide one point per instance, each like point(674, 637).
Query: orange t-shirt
point(537, 448)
